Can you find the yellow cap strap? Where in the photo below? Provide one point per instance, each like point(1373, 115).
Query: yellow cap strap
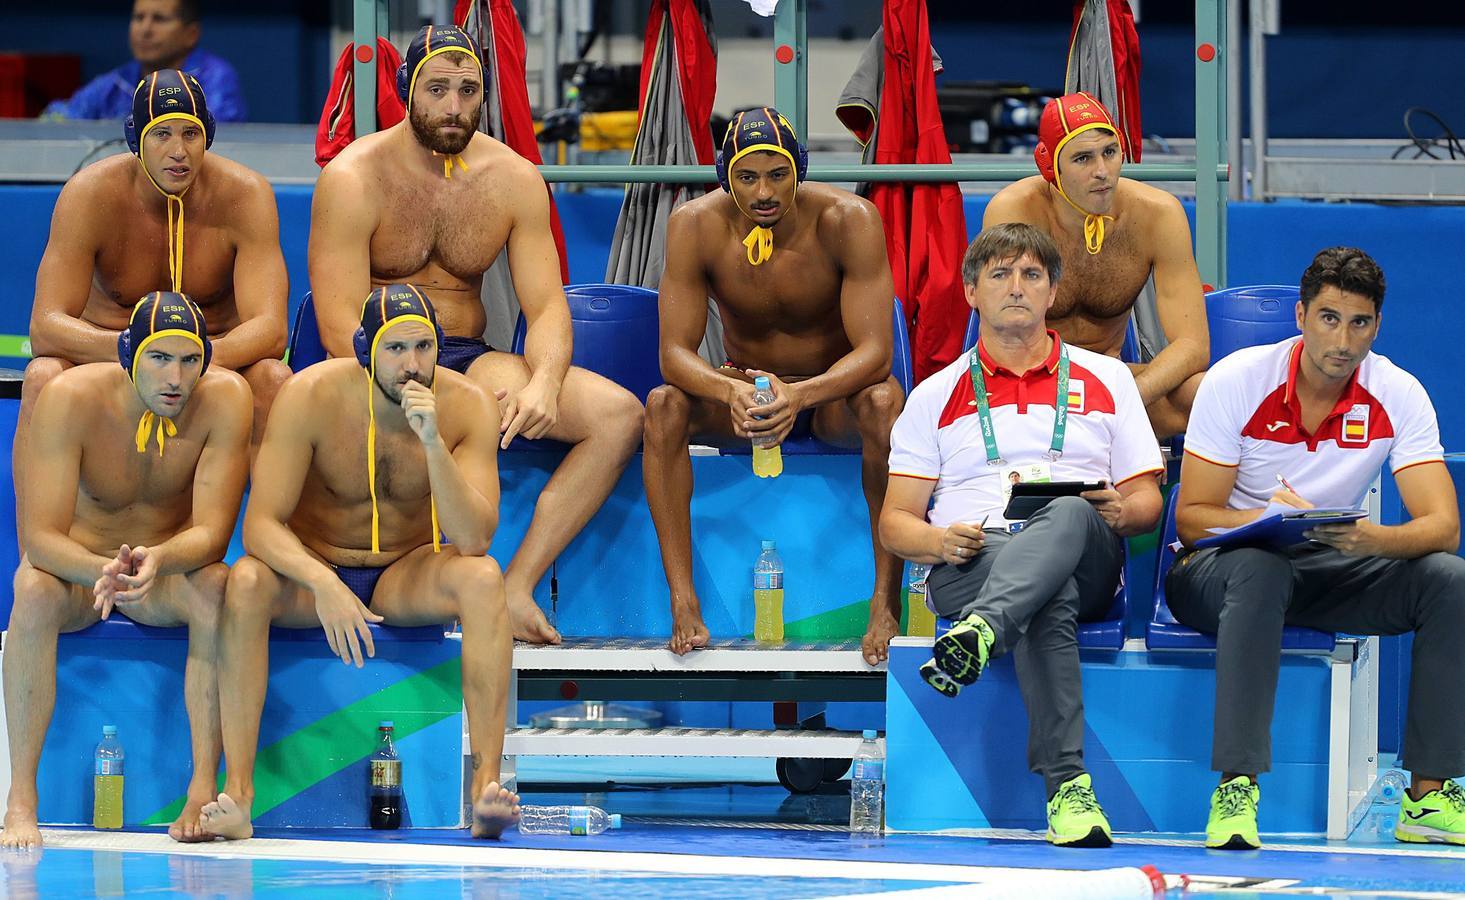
point(175, 243)
point(760, 244)
point(449, 160)
point(437, 546)
point(166, 429)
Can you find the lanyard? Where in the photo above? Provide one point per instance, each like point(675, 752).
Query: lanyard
point(984, 411)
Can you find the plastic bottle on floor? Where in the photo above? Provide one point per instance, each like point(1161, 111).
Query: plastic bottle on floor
point(386, 782)
point(768, 596)
point(867, 788)
point(919, 620)
point(1381, 805)
point(107, 781)
point(767, 455)
point(577, 820)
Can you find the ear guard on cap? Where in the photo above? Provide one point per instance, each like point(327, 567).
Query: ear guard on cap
point(1044, 158)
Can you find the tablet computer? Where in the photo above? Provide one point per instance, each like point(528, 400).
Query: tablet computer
point(1030, 496)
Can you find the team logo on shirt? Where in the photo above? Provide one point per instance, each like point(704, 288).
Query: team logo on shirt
point(1076, 394)
point(1355, 424)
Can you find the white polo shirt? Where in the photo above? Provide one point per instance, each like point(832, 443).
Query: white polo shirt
point(1247, 416)
point(938, 436)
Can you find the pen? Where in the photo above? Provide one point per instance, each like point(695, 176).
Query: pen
point(1283, 482)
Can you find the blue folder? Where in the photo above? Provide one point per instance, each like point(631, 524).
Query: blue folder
point(1280, 529)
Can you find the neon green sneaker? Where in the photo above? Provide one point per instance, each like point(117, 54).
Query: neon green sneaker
point(1233, 816)
point(963, 651)
point(1436, 818)
point(1075, 818)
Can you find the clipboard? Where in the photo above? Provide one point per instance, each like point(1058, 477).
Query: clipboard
point(1283, 529)
point(1030, 496)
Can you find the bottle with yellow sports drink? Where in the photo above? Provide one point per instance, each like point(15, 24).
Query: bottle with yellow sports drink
point(768, 596)
point(919, 621)
point(767, 455)
point(107, 781)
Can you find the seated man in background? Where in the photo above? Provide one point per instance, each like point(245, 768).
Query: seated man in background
point(343, 529)
point(117, 525)
point(814, 315)
point(433, 201)
point(118, 232)
point(162, 34)
point(1023, 400)
point(1308, 422)
point(1115, 235)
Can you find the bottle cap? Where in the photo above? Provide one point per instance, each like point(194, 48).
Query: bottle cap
point(385, 725)
point(768, 545)
point(615, 820)
point(762, 383)
point(868, 734)
point(109, 731)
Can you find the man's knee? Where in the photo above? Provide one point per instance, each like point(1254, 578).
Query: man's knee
point(266, 376)
point(878, 406)
point(476, 583)
point(250, 586)
point(1069, 511)
point(40, 601)
point(38, 373)
point(209, 584)
point(622, 413)
point(668, 414)
point(1443, 575)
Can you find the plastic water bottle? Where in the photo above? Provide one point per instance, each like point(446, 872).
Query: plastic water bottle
point(1380, 806)
point(767, 455)
point(768, 596)
point(867, 788)
point(107, 781)
point(919, 620)
point(577, 820)
point(386, 782)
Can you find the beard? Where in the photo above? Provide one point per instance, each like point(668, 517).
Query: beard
point(427, 132)
point(393, 391)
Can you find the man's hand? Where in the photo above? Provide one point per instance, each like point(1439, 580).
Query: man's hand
point(344, 618)
point(531, 412)
point(774, 418)
point(961, 542)
point(1287, 498)
point(134, 584)
point(1108, 503)
point(106, 588)
point(1356, 538)
point(420, 406)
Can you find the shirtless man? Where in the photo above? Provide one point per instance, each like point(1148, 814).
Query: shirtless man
point(118, 525)
point(805, 299)
point(356, 475)
point(432, 202)
point(118, 232)
point(1113, 234)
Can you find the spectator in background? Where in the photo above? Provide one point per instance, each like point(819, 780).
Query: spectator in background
point(163, 34)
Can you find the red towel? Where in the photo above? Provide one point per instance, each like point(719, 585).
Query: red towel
point(338, 117)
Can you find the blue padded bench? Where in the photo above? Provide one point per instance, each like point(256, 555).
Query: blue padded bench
point(119, 627)
point(1165, 633)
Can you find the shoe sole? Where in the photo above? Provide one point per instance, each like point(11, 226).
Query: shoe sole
point(1416, 834)
point(959, 663)
point(939, 680)
point(1097, 837)
point(1234, 842)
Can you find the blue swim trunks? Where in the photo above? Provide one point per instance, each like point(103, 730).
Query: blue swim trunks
point(458, 353)
point(361, 580)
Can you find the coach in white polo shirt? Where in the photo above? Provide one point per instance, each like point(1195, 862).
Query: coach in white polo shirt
point(1023, 406)
point(1308, 422)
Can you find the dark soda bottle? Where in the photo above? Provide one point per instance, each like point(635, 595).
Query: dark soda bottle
point(386, 782)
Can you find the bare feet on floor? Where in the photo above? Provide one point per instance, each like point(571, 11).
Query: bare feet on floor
point(495, 810)
point(227, 819)
point(529, 620)
point(188, 828)
point(21, 831)
point(688, 633)
point(875, 646)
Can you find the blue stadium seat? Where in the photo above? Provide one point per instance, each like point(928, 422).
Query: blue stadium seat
point(616, 331)
point(1251, 315)
point(305, 346)
point(1165, 633)
point(1101, 634)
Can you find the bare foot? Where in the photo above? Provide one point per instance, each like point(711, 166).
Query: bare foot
point(21, 831)
point(883, 626)
point(528, 620)
point(226, 819)
point(688, 633)
point(188, 827)
point(495, 810)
